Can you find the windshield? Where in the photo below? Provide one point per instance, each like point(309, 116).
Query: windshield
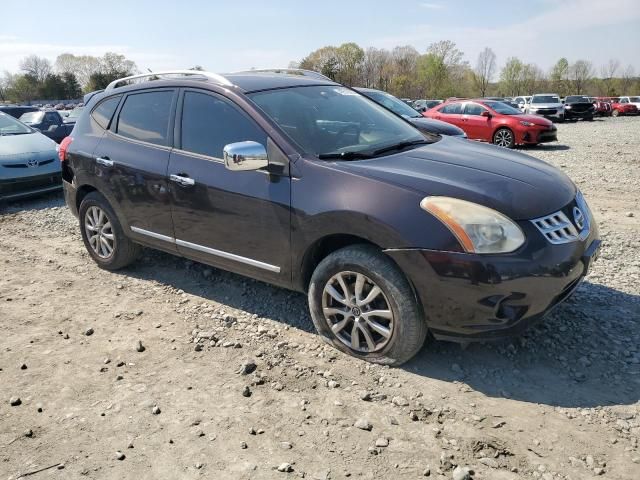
point(331, 120)
point(576, 99)
point(634, 99)
point(11, 126)
point(545, 99)
point(502, 108)
point(392, 103)
point(31, 117)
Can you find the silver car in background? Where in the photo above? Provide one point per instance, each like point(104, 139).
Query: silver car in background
point(29, 162)
point(548, 105)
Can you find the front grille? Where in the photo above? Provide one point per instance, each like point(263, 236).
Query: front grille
point(547, 111)
point(24, 165)
point(24, 185)
point(558, 229)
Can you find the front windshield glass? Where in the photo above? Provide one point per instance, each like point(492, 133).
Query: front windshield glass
point(502, 108)
point(634, 99)
point(575, 99)
point(11, 126)
point(394, 104)
point(331, 120)
point(31, 117)
point(545, 99)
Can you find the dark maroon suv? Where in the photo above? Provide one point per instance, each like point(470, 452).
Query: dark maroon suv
point(296, 180)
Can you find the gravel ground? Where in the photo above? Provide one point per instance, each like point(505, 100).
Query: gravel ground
point(172, 369)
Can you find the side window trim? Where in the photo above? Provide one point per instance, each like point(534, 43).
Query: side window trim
point(113, 125)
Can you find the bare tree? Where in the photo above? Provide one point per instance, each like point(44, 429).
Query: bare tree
point(580, 73)
point(626, 80)
point(484, 71)
point(82, 66)
point(608, 72)
point(37, 67)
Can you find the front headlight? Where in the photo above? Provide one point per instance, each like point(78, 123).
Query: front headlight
point(478, 229)
point(567, 106)
point(526, 124)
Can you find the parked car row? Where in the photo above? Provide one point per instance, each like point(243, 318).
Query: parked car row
point(553, 107)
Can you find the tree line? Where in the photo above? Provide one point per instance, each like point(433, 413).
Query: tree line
point(442, 72)
point(66, 79)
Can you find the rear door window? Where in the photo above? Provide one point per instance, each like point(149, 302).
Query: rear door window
point(210, 122)
point(474, 109)
point(452, 109)
point(104, 111)
point(145, 116)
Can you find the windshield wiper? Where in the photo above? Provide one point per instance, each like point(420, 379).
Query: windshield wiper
point(344, 156)
point(399, 146)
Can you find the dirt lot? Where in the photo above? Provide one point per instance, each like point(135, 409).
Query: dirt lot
point(561, 402)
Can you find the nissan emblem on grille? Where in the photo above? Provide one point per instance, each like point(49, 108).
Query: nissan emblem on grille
point(32, 163)
point(578, 218)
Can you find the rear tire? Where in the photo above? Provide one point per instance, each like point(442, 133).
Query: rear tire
point(504, 137)
point(103, 235)
point(393, 320)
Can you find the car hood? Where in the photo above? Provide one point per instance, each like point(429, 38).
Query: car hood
point(28, 143)
point(431, 125)
point(545, 105)
point(519, 186)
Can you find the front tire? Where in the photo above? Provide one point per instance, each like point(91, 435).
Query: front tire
point(615, 113)
point(102, 234)
point(362, 304)
point(504, 138)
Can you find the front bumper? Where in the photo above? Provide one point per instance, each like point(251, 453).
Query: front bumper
point(484, 297)
point(549, 114)
point(535, 135)
point(21, 187)
point(570, 114)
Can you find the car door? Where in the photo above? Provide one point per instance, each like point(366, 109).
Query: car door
point(477, 127)
point(132, 159)
point(237, 220)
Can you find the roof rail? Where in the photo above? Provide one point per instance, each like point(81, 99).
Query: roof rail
point(290, 71)
point(211, 76)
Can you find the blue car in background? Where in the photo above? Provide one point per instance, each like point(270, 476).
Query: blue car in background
point(29, 162)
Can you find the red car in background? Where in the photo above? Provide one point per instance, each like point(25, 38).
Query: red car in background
point(603, 108)
point(495, 122)
point(620, 108)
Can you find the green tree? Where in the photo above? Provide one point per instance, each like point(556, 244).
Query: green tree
point(511, 76)
point(71, 86)
point(559, 77)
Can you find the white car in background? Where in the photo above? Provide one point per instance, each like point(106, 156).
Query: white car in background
point(632, 100)
point(548, 105)
point(522, 101)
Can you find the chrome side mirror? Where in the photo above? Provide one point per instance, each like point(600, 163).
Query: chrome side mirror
point(248, 155)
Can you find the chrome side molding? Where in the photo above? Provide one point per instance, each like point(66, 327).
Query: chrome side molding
point(210, 251)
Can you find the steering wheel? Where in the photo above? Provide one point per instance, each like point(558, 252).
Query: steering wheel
point(344, 130)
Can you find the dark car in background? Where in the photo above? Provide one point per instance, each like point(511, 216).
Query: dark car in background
point(28, 161)
point(301, 182)
point(578, 107)
point(49, 122)
point(16, 111)
point(426, 125)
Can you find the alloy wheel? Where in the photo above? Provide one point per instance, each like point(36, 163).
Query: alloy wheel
point(358, 312)
point(99, 232)
point(503, 138)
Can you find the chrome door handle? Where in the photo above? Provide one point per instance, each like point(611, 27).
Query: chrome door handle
point(184, 181)
point(104, 161)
